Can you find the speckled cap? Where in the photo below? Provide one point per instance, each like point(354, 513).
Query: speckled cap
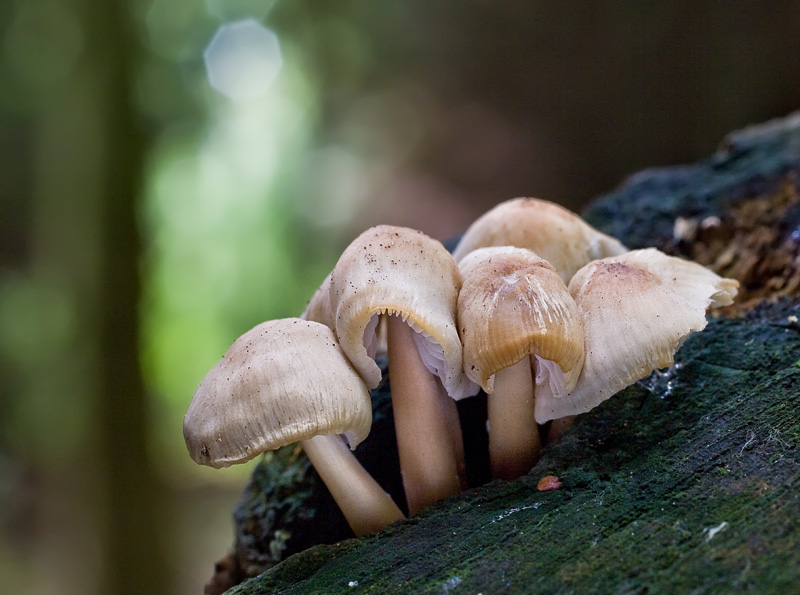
point(556, 234)
point(281, 382)
point(399, 271)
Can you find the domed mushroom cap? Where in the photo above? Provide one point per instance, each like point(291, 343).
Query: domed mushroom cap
point(281, 382)
point(514, 304)
point(637, 310)
point(319, 306)
point(559, 236)
point(399, 271)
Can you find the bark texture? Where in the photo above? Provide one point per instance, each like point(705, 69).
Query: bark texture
point(687, 481)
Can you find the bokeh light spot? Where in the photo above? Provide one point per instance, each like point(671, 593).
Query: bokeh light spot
point(243, 60)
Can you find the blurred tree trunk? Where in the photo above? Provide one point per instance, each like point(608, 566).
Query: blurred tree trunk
point(132, 537)
point(134, 563)
point(90, 152)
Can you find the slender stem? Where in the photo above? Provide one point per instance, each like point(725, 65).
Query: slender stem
point(426, 423)
point(364, 503)
point(514, 443)
point(558, 427)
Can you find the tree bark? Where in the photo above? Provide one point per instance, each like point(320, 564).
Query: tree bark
point(686, 481)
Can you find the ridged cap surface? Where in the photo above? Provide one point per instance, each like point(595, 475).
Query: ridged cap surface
point(513, 304)
point(637, 310)
point(281, 382)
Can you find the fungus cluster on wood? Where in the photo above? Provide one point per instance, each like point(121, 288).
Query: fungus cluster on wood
point(547, 315)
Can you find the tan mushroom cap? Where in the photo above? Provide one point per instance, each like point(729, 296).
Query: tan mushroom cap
point(319, 306)
point(281, 382)
point(637, 310)
point(399, 271)
point(514, 304)
point(556, 234)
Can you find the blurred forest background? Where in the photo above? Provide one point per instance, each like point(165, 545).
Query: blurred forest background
point(173, 172)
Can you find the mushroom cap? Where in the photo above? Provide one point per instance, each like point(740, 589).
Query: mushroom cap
point(319, 306)
point(637, 310)
point(399, 271)
point(559, 236)
point(319, 310)
point(281, 382)
point(513, 304)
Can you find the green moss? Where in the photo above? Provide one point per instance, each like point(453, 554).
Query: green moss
point(685, 482)
point(686, 487)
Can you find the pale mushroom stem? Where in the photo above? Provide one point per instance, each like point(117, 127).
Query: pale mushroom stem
point(514, 443)
point(426, 422)
point(364, 503)
point(558, 427)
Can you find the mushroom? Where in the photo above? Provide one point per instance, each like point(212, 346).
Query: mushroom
point(637, 310)
point(318, 308)
point(281, 382)
point(515, 315)
point(559, 236)
point(411, 280)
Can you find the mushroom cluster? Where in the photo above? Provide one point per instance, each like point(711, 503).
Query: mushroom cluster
point(547, 315)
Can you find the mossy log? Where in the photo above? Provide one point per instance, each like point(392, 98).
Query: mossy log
point(687, 481)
